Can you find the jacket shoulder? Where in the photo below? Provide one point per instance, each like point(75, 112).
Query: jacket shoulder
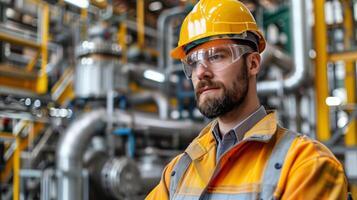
point(311, 170)
point(305, 150)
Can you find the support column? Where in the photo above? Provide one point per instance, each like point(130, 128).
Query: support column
point(321, 81)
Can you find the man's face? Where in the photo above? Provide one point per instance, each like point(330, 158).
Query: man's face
point(217, 93)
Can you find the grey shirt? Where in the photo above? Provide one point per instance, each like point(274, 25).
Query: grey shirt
point(236, 134)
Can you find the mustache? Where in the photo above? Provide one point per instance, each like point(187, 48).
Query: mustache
point(207, 83)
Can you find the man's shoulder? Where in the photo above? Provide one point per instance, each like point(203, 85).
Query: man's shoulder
point(305, 149)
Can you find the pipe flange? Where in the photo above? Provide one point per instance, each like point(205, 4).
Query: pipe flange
point(121, 177)
point(96, 47)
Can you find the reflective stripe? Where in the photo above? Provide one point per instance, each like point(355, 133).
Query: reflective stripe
point(274, 165)
point(176, 175)
point(219, 196)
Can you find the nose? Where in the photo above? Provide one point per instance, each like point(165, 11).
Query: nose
point(202, 71)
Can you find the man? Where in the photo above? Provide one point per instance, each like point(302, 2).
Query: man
point(243, 153)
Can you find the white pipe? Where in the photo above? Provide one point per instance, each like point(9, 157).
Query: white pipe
point(300, 52)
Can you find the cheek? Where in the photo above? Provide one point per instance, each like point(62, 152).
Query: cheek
point(226, 76)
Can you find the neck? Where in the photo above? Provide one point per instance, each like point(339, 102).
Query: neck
point(229, 120)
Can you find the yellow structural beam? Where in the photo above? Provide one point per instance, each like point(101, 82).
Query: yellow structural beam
point(83, 26)
point(7, 136)
point(16, 170)
point(321, 82)
point(23, 144)
point(350, 80)
point(19, 41)
point(350, 84)
point(344, 56)
point(42, 81)
point(121, 37)
point(23, 84)
point(99, 3)
point(67, 95)
point(63, 91)
point(33, 62)
point(140, 12)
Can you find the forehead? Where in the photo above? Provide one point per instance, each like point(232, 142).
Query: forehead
point(213, 43)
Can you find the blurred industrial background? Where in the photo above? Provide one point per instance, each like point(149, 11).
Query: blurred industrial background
point(93, 107)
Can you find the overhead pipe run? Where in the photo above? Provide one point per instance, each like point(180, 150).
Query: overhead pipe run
point(157, 126)
point(277, 56)
point(300, 55)
point(160, 100)
point(163, 24)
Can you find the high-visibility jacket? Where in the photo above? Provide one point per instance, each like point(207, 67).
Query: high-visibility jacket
point(308, 169)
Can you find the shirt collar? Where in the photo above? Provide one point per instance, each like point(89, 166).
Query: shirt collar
point(262, 131)
point(242, 127)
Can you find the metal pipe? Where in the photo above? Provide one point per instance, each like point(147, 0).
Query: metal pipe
point(74, 141)
point(26, 7)
point(160, 100)
point(70, 151)
point(2, 46)
point(131, 25)
point(169, 64)
point(55, 63)
point(155, 126)
point(162, 24)
point(19, 31)
point(277, 56)
point(46, 184)
point(297, 77)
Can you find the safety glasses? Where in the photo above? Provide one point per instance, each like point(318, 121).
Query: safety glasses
point(214, 58)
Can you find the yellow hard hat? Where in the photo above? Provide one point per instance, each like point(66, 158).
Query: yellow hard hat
point(213, 18)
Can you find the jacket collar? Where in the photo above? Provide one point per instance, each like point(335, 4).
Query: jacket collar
point(262, 131)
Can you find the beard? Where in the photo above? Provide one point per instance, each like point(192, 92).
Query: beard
point(231, 98)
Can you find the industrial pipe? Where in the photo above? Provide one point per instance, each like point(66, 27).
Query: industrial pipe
point(277, 56)
point(71, 148)
point(300, 55)
point(76, 138)
point(160, 100)
point(162, 24)
point(155, 126)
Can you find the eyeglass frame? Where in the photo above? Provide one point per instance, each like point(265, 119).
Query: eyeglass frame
point(246, 49)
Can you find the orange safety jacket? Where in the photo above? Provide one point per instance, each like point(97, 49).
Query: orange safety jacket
point(269, 163)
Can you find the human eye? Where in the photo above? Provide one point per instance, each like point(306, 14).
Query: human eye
point(193, 64)
point(217, 57)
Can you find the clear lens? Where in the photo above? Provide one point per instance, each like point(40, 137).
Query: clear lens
point(214, 58)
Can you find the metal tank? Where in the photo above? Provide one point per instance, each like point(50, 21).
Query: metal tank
point(98, 68)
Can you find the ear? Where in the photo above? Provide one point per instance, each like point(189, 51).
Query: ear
point(253, 63)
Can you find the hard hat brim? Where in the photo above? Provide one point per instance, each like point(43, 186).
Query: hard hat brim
point(178, 53)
